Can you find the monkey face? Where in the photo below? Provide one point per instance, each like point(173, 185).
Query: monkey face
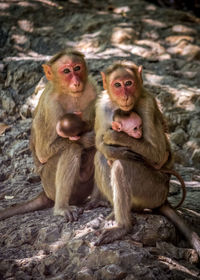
point(70, 73)
point(122, 88)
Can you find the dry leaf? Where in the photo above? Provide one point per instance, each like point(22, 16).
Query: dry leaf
point(3, 127)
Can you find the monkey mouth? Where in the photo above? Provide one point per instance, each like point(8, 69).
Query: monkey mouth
point(126, 107)
point(76, 93)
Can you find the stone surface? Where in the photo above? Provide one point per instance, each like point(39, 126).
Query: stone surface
point(166, 42)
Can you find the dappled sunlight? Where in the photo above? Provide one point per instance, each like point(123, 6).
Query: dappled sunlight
point(154, 23)
point(48, 2)
point(153, 78)
point(4, 6)
point(75, 1)
point(33, 57)
point(26, 25)
point(27, 261)
point(121, 10)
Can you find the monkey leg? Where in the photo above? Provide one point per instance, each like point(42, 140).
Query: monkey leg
point(38, 203)
point(67, 176)
point(121, 189)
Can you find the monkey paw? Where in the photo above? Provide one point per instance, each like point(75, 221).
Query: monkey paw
point(71, 213)
point(110, 235)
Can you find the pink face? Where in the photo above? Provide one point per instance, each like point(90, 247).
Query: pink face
point(71, 74)
point(132, 126)
point(123, 88)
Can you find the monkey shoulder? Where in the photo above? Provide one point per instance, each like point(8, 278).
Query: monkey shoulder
point(104, 109)
point(146, 106)
point(95, 87)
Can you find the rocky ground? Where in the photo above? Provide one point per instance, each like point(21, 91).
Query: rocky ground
point(167, 43)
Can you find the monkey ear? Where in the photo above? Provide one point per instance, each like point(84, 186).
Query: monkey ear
point(116, 126)
point(48, 71)
point(140, 73)
point(103, 75)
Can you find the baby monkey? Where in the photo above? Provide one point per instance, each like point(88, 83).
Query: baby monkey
point(131, 124)
point(71, 126)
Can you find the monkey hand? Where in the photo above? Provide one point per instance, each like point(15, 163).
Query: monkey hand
point(118, 152)
point(134, 156)
point(88, 139)
point(111, 234)
point(74, 138)
point(71, 213)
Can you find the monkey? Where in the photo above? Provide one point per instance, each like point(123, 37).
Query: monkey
point(131, 123)
point(71, 126)
point(67, 172)
point(129, 184)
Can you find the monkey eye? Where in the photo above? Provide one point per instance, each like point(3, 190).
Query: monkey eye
point(66, 70)
point(135, 129)
point(77, 68)
point(128, 83)
point(117, 85)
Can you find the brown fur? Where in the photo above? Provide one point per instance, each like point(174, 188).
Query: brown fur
point(68, 169)
point(129, 183)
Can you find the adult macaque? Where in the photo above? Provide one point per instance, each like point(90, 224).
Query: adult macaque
point(129, 183)
point(131, 124)
point(72, 126)
point(68, 170)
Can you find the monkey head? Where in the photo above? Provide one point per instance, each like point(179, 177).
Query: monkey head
point(68, 73)
point(130, 124)
point(123, 83)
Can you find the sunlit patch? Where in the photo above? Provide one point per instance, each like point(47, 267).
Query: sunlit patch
point(19, 39)
point(121, 10)
point(183, 29)
point(74, 1)
point(150, 7)
point(153, 78)
point(26, 25)
point(4, 6)
point(155, 23)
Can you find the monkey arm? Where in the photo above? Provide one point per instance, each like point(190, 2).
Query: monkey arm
point(113, 152)
point(141, 147)
point(88, 139)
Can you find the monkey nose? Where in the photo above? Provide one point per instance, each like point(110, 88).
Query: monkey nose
point(77, 84)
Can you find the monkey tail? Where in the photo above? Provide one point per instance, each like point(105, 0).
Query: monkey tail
point(38, 203)
point(189, 234)
point(178, 176)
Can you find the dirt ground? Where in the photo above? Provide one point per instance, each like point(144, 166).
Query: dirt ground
point(167, 43)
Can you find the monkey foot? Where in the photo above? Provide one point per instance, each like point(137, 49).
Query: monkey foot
point(110, 235)
point(71, 213)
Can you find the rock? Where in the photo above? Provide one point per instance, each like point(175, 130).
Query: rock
point(179, 137)
point(111, 272)
point(85, 274)
point(194, 128)
point(196, 157)
point(18, 147)
point(8, 103)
